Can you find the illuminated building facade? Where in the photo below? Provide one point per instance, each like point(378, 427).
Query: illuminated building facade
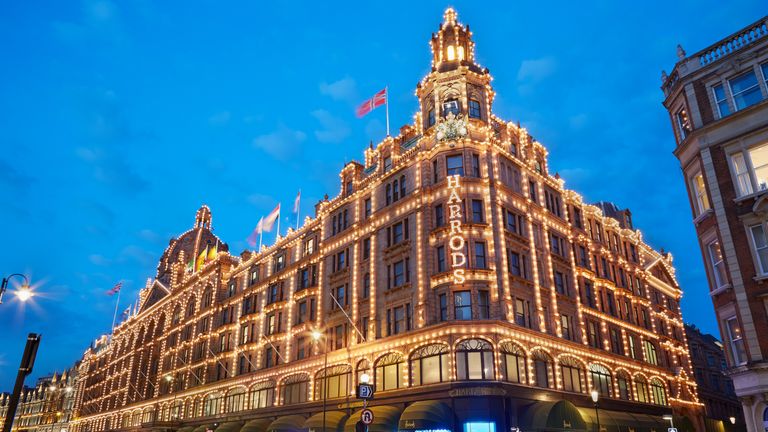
point(452, 267)
point(717, 100)
point(47, 407)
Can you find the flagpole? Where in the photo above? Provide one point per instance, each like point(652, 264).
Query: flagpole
point(114, 317)
point(386, 105)
point(279, 209)
point(298, 210)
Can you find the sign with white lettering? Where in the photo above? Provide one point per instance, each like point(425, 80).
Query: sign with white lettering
point(364, 391)
point(456, 235)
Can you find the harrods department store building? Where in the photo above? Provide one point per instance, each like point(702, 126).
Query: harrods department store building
point(484, 295)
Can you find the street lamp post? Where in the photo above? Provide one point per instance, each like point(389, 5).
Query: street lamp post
point(670, 419)
point(316, 335)
point(24, 293)
point(595, 395)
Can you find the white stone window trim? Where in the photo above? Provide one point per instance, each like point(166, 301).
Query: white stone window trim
point(762, 271)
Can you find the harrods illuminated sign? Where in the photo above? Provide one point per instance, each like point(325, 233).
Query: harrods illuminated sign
point(456, 240)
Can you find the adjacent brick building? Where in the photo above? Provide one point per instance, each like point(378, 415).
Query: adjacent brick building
point(715, 387)
point(717, 100)
point(452, 266)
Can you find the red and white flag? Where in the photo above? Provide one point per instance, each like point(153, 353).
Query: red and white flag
point(115, 289)
point(296, 202)
point(377, 100)
point(269, 221)
point(256, 233)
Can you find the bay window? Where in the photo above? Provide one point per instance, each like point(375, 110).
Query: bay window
point(700, 193)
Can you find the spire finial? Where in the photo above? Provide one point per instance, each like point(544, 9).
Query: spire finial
point(449, 16)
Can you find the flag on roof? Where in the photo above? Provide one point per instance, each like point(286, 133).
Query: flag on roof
point(115, 289)
point(377, 100)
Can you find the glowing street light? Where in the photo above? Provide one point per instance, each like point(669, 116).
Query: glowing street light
point(24, 292)
point(595, 395)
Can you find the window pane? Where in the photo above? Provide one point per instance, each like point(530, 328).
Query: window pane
point(745, 90)
point(722, 102)
point(761, 247)
point(759, 158)
point(475, 365)
point(743, 183)
point(461, 366)
point(431, 370)
point(390, 377)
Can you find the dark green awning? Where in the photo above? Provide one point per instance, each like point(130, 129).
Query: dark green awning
point(229, 427)
point(557, 416)
point(291, 423)
point(186, 429)
point(334, 422)
point(385, 419)
point(258, 425)
point(201, 428)
point(611, 421)
point(429, 414)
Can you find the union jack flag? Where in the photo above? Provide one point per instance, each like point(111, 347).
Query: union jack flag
point(115, 289)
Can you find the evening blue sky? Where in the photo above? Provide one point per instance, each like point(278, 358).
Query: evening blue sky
point(118, 120)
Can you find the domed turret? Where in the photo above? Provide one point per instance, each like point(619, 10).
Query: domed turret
point(452, 45)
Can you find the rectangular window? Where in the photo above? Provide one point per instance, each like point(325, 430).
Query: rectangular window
point(439, 216)
point(455, 165)
point(443, 300)
point(462, 305)
point(760, 245)
point(736, 342)
point(589, 294)
point(480, 255)
point(593, 334)
point(522, 317)
point(532, 191)
point(745, 90)
point(683, 123)
point(477, 211)
point(721, 101)
point(387, 163)
point(367, 207)
point(475, 165)
point(515, 264)
point(560, 286)
point(565, 326)
point(400, 273)
point(366, 248)
point(366, 285)
point(474, 109)
point(483, 304)
point(440, 259)
point(616, 345)
point(718, 264)
point(632, 346)
point(700, 193)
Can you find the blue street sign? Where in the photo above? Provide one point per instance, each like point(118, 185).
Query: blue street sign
point(365, 391)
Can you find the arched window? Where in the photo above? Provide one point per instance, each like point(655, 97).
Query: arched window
point(136, 418)
point(176, 317)
point(641, 386)
point(402, 186)
point(542, 369)
point(460, 52)
point(177, 410)
point(235, 400)
point(429, 364)
point(451, 53)
point(212, 404)
point(262, 395)
point(295, 389)
point(207, 297)
point(659, 393)
point(389, 372)
point(148, 415)
point(474, 360)
point(622, 381)
point(513, 363)
point(191, 307)
point(601, 380)
point(363, 367)
point(388, 193)
point(395, 190)
point(333, 382)
point(570, 370)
